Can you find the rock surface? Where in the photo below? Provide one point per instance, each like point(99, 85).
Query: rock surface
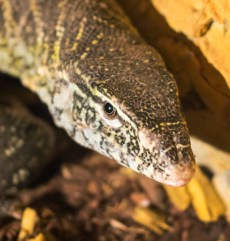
point(206, 23)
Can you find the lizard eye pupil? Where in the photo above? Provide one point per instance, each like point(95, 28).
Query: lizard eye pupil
point(109, 109)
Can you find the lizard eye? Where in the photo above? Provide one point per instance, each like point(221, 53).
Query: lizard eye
point(110, 110)
point(110, 115)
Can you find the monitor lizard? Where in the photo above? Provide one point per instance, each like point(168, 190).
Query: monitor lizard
point(102, 83)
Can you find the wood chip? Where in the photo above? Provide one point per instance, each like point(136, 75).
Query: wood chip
point(39, 237)
point(151, 219)
point(29, 220)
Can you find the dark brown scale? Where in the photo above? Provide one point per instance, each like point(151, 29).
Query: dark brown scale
point(26, 145)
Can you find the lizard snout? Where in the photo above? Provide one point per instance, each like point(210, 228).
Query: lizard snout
point(178, 175)
point(171, 163)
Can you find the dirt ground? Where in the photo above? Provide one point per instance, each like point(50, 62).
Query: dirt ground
point(92, 198)
point(85, 196)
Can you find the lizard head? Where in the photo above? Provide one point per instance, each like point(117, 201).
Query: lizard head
point(133, 115)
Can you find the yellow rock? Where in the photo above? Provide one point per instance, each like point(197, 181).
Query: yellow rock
point(222, 184)
point(206, 23)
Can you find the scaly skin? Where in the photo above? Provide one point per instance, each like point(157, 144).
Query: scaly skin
point(78, 55)
point(22, 161)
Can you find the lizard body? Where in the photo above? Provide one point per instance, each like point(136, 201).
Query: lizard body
point(102, 83)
